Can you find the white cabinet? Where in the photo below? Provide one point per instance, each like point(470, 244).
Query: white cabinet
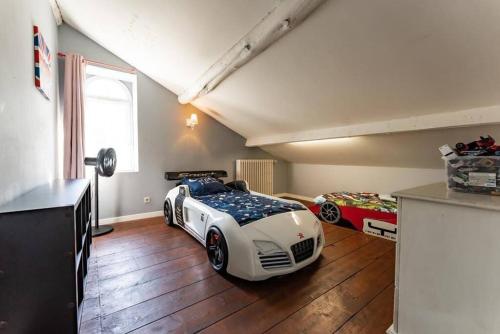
point(447, 262)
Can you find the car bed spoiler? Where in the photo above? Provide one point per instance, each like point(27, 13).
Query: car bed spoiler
point(175, 176)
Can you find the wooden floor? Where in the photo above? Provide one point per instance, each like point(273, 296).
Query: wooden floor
point(146, 277)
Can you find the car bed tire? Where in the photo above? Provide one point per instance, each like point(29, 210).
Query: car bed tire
point(168, 213)
point(330, 212)
point(223, 245)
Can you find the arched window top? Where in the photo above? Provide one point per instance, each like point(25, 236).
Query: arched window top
point(107, 88)
point(111, 115)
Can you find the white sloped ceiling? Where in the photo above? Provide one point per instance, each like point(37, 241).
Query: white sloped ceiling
point(350, 62)
point(171, 41)
point(357, 61)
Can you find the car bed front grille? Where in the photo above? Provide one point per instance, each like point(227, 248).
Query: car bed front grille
point(275, 260)
point(303, 250)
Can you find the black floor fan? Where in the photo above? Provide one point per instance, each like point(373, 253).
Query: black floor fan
point(105, 164)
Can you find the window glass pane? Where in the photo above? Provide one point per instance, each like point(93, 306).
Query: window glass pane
point(110, 121)
point(107, 88)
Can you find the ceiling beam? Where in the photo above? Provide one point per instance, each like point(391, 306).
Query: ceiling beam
point(282, 19)
point(56, 11)
point(470, 117)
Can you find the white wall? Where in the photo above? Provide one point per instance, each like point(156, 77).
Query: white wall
point(28, 121)
point(312, 180)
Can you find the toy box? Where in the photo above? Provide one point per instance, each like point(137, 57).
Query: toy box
point(474, 174)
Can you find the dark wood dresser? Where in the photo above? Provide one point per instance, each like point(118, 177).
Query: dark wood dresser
point(45, 239)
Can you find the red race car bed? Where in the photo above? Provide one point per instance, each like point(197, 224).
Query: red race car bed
point(366, 212)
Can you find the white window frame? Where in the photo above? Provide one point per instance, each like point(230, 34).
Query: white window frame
point(132, 79)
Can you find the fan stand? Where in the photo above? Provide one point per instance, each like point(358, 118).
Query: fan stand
point(98, 230)
point(104, 164)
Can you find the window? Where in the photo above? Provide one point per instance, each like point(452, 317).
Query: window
point(111, 115)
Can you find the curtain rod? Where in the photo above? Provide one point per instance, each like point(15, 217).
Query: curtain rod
point(98, 63)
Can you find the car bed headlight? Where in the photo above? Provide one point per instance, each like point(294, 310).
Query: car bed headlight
point(267, 247)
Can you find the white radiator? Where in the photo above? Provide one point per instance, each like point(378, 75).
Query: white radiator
point(258, 173)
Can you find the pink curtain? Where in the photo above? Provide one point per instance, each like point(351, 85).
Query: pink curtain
point(74, 107)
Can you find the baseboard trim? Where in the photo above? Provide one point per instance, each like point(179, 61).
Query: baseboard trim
point(304, 198)
point(391, 330)
point(128, 218)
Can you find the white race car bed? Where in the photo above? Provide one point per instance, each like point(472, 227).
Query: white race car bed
point(246, 234)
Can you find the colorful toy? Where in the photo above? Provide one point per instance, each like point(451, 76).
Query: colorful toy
point(494, 150)
point(483, 146)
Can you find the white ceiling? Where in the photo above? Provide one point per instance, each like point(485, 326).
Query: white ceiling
point(350, 62)
point(171, 41)
point(357, 61)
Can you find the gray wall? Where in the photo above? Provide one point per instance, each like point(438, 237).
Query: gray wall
point(312, 179)
point(165, 143)
point(28, 121)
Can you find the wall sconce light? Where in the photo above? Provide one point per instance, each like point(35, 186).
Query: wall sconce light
point(192, 121)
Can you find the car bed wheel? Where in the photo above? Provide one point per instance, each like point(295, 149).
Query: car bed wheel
point(330, 212)
point(217, 250)
point(168, 213)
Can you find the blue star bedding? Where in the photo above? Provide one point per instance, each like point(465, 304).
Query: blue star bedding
point(245, 207)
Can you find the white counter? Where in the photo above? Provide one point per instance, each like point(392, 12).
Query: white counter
point(439, 193)
point(448, 262)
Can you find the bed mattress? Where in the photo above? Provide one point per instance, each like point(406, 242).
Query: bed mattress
point(245, 207)
point(370, 201)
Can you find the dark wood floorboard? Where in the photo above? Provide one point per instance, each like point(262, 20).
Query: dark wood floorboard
point(376, 317)
point(146, 277)
point(344, 300)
